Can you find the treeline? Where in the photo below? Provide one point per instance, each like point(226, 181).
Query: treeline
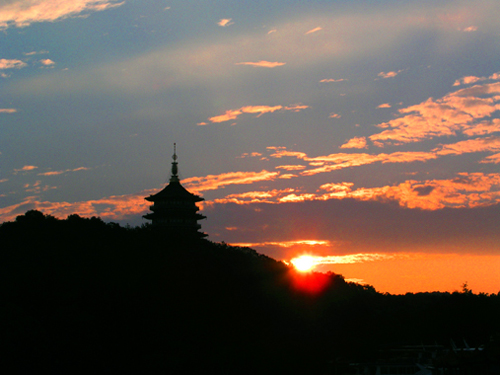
point(84, 296)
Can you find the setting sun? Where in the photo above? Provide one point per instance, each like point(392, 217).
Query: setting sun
point(303, 263)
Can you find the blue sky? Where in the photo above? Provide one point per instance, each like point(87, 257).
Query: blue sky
point(359, 126)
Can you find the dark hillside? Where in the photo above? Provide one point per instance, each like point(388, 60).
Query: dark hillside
point(82, 296)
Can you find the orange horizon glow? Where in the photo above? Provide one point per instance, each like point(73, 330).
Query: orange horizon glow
point(410, 272)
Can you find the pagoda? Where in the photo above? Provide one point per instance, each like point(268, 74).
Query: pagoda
point(174, 208)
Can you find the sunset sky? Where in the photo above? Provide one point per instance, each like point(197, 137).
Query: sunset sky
point(364, 133)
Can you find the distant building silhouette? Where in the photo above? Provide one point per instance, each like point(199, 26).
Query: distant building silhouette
point(174, 208)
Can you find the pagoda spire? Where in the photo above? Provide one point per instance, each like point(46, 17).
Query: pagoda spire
point(175, 170)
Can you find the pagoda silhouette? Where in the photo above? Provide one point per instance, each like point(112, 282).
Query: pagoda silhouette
point(174, 209)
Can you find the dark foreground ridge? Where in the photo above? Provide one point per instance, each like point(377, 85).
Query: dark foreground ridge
point(80, 296)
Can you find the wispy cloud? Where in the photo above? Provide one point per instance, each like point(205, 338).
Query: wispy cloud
point(262, 64)
point(12, 64)
point(26, 168)
point(291, 167)
point(225, 22)
point(470, 29)
point(232, 114)
point(333, 80)
point(385, 105)
point(57, 173)
point(32, 53)
point(8, 110)
point(348, 259)
point(110, 208)
point(491, 144)
point(338, 161)
point(212, 182)
point(492, 159)
point(316, 29)
point(473, 79)
point(466, 190)
point(250, 154)
point(22, 13)
point(268, 196)
point(458, 111)
point(286, 244)
point(389, 74)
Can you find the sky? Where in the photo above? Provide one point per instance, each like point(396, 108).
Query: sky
point(363, 133)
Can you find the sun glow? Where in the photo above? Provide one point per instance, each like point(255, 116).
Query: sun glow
point(303, 263)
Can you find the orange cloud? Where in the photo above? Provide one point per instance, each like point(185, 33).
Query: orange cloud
point(11, 64)
point(472, 145)
point(385, 105)
point(21, 13)
point(212, 182)
point(56, 173)
point(26, 168)
point(389, 74)
point(314, 30)
point(111, 208)
point(458, 111)
point(232, 114)
point(350, 259)
point(334, 115)
point(356, 142)
point(333, 80)
point(466, 190)
point(47, 62)
point(473, 79)
point(253, 197)
point(262, 64)
point(282, 152)
point(470, 29)
point(296, 107)
point(492, 159)
point(8, 110)
point(287, 244)
point(225, 22)
point(339, 161)
point(467, 80)
point(291, 167)
point(482, 128)
point(252, 154)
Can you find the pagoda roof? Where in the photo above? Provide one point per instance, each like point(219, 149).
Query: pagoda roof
point(174, 190)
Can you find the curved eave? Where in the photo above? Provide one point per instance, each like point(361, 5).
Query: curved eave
point(174, 190)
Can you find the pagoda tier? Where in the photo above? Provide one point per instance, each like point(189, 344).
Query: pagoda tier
point(174, 208)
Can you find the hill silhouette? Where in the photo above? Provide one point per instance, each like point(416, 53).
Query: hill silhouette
point(83, 296)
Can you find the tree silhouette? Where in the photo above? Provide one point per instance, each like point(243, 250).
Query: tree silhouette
point(80, 295)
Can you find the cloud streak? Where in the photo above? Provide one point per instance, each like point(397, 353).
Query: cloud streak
point(233, 114)
point(212, 182)
point(262, 64)
point(22, 13)
point(57, 173)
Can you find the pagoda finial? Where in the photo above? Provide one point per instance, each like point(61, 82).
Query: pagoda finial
point(175, 176)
